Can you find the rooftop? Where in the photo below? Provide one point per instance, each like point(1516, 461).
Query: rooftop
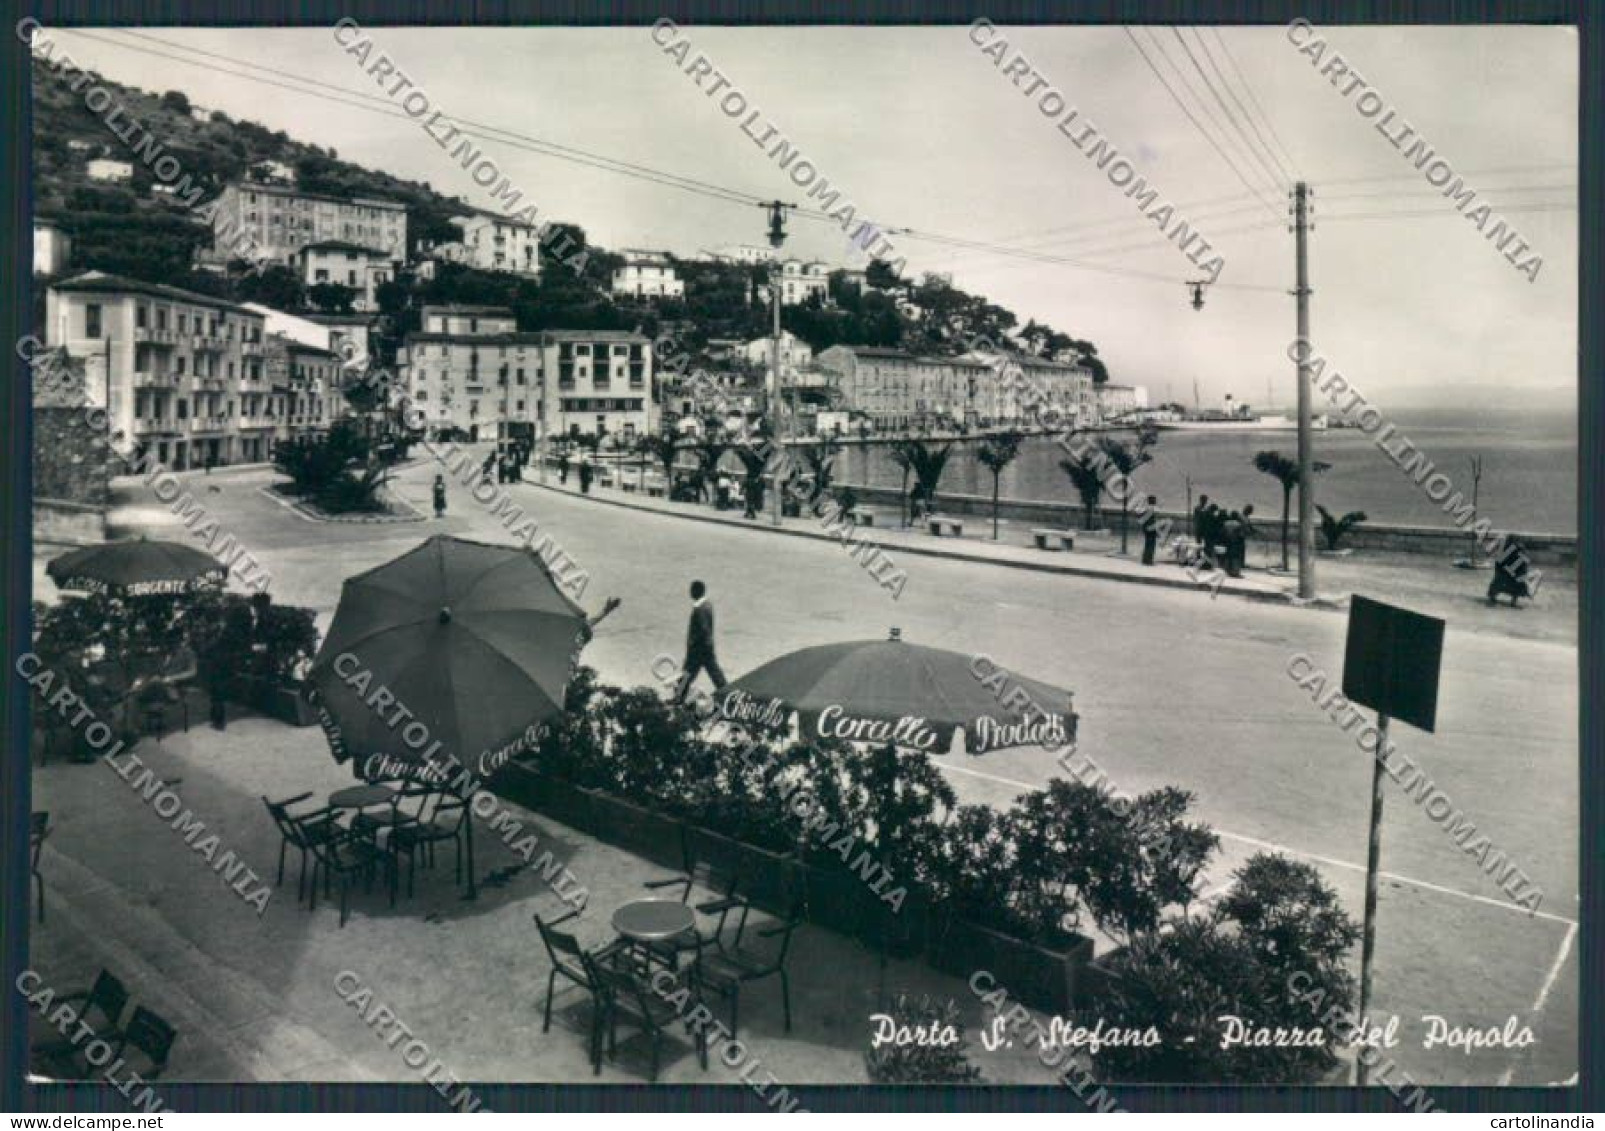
point(463, 308)
point(288, 190)
point(103, 282)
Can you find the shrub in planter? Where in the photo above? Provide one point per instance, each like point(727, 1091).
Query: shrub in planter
point(920, 1043)
point(1238, 961)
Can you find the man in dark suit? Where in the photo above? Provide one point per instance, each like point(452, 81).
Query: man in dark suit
point(699, 652)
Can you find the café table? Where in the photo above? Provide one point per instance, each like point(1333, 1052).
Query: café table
point(654, 926)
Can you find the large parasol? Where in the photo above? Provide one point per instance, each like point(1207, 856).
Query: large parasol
point(891, 691)
point(449, 657)
point(138, 567)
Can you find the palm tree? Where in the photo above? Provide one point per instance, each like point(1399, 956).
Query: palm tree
point(1333, 529)
point(1088, 482)
point(996, 452)
point(1284, 471)
point(924, 462)
point(820, 458)
point(1126, 456)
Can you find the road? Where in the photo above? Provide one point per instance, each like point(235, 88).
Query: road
point(1173, 689)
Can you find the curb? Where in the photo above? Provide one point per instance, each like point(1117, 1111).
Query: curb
point(303, 512)
point(950, 555)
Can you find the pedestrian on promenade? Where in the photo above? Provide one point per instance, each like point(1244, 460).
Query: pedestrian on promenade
point(1510, 575)
point(1198, 518)
point(1231, 535)
point(1150, 531)
point(1248, 532)
point(440, 496)
point(721, 496)
point(699, 651)
point(752, 491)
point(585, 474)
point(562, 466)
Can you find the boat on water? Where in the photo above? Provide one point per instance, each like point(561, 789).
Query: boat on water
point(1238, 422)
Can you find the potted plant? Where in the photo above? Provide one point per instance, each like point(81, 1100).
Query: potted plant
point(920, 1042)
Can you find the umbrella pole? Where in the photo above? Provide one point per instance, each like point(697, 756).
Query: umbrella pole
point(473, 884)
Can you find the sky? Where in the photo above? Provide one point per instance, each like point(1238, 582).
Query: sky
point(919, 129)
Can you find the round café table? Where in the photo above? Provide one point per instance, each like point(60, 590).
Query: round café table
point(655, 926)
point(361, 796)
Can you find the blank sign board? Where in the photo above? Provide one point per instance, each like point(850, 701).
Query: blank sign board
point(1391, 661)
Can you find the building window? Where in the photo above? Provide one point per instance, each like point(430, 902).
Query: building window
point(183, 409)
point(92, 320)
point(141, 313)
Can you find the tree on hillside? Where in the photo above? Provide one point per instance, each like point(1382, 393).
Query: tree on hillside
point(276, 286)
point(332, 298)
point(176, 101)
point(1285, 471)
point(996, 452)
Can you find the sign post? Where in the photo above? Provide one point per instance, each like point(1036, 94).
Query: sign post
point(1390, 663)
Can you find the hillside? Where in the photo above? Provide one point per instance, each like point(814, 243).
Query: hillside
point(132, 230)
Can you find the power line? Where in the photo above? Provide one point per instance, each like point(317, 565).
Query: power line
point(1463, 173)
point(552, 149)
point(1249, 89)
point(1213, 144)
point(1400, 195)
point(1242, 135)
point(606, 164)
point(1203, 45)
point(1389, 215)
point(1036, 232)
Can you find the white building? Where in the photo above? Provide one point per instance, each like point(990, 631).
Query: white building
point(801, 281)
point(467, 321)
point(1119, 400)
point(600, 383)
point(52, 248)
point(647, 274)
point(794, 352)
point(186, 375)
point(111, 171)
point(276, 221)
point(749, 254)
point(363, 269)
point(493, 243)
point(272, 173)
point(343, 335)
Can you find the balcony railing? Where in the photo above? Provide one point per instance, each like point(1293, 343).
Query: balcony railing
point(157, 337)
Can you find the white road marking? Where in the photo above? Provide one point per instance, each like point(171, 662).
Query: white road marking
point(1543, 996)
point(1394, 876)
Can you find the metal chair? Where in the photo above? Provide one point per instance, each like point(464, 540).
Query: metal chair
point(572, 960)
point(724, 969)
point(344, 856)
point(296, 831)
point(442, 817)
point(150, 1036)
point(710, 876)
point(627, 992)
point(102, 1012)
point(38, 829)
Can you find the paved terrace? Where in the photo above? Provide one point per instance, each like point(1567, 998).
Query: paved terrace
point(1174, 689)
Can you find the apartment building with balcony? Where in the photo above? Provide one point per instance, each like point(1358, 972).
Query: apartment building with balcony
point(493, 243)
point(1032, 391)
point(341, 263)
point(176, 364)
point(280, 220)
point(647, 274)
point(470, 369)
point(600, 383)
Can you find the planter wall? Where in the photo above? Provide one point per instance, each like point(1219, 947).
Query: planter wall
point(1051, 980)
point(839, 899)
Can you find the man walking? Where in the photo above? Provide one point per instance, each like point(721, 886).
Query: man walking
point(699, 653)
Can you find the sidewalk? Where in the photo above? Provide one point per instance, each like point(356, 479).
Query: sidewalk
point(1098, 562)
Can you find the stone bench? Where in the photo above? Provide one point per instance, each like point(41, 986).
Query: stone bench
point(1054, 540)
point(862, 517)
point(656, 490)
point(629, 486)
point(937, 524)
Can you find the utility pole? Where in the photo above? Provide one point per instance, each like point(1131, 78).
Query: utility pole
point(1306, 458)
point(777, 409)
